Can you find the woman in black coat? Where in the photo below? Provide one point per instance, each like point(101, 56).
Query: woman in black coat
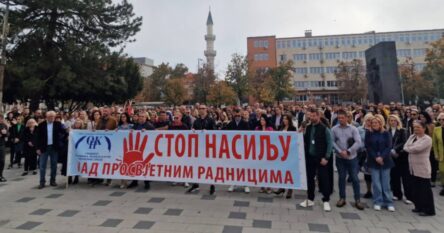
point(15, 135)
point(400, 172)
point(29, 140)
point(287, 126)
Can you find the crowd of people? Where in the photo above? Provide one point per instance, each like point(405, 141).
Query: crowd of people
point(399, 149)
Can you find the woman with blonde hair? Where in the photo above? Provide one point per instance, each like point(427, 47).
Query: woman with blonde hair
point(362, 153)
point(78, 124)
point(30, 141)
point(400, 172)
point(378, 143)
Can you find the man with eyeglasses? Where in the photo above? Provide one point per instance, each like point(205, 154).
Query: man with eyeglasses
point(203, 122)
point(438, 148)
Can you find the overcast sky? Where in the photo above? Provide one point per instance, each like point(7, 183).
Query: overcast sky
point(173, 30)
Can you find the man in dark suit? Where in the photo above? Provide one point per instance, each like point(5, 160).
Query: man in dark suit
point(277, 118)
point(48, 145)
point(203, 122)
point(238, 123)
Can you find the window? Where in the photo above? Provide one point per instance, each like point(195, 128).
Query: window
point(300, 70)
point(361, 54)
point(349, 55)
point(288, 44)
point(330, 69)
point(278, 44)
point(404, 53)
point(283, 57)
point(316, 70)
point(261, 43)
point(300, 98)
point(315, 56)
point(332, 56)
point(419, 66)
point(300, 57)
point(332, 83)
point(261, 57)
point(419, 52)
point(294, 44)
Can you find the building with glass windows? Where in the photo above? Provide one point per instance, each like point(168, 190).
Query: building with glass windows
point(315, 58)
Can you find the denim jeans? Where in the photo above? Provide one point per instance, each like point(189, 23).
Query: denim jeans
point(52, 154)
point(352, 168)
point(382, 195)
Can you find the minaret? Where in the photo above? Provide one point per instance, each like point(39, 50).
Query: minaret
point(210, 53)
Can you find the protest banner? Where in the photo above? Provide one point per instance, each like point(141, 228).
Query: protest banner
point(245, 158)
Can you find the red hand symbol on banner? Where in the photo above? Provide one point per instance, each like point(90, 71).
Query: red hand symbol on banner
point(133, 152)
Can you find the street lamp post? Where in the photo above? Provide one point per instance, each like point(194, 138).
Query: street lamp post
point(3, 51)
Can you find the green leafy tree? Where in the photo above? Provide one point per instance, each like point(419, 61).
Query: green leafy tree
point(415, 86)
point(237, 76)
point(175, 92)
point(280, 81)
point(352, 81)
point(61, 51)
point(205, 78)
point(222, 93)
point(158, 79)
point(434, 69)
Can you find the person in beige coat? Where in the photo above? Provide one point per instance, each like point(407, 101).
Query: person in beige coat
point(418, 146)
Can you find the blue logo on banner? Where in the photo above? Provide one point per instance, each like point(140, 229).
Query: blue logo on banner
point(94, 141)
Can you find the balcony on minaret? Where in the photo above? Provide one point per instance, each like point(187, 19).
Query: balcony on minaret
point(210, 37)
point(210, 53)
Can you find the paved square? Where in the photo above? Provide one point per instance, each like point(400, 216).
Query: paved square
point(40, 212)
point(144, 225)
point(68, 213)
point(165, 208)
point(111, 223)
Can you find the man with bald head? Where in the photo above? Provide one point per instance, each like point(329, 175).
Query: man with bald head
point(49, 142)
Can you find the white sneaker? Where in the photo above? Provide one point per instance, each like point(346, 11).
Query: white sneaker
point(231, 189)
point(186, 185)
point(395, 198)
point(377, 207)
point(327, 207)
point(306, 203)
point(408, 202)
point(247, 190)
point(391, 208)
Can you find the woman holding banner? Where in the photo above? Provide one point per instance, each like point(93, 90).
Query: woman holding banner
point(78, 124)
point(124, 124)
point(287, 125)
point(264, 125)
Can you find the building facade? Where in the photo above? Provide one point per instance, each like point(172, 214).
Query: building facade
point(146, 66)
point(316, 58)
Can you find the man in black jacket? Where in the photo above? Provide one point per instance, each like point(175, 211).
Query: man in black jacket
point(142, 124)
point(203, 122)
point(238, 124)
point(49, 145)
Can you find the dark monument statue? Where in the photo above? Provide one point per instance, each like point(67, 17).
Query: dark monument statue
point(384, 85)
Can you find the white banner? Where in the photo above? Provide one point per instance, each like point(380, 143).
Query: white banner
point(245, 158)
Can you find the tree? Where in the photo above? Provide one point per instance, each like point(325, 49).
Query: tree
point(434, 69)
point(205, 78)
point(237, 76)
point(352, 81)
point(175, 92)
point(158, 80)
point(281, 86)
point(222, 93)
point(61, 51)
point(415, 86)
